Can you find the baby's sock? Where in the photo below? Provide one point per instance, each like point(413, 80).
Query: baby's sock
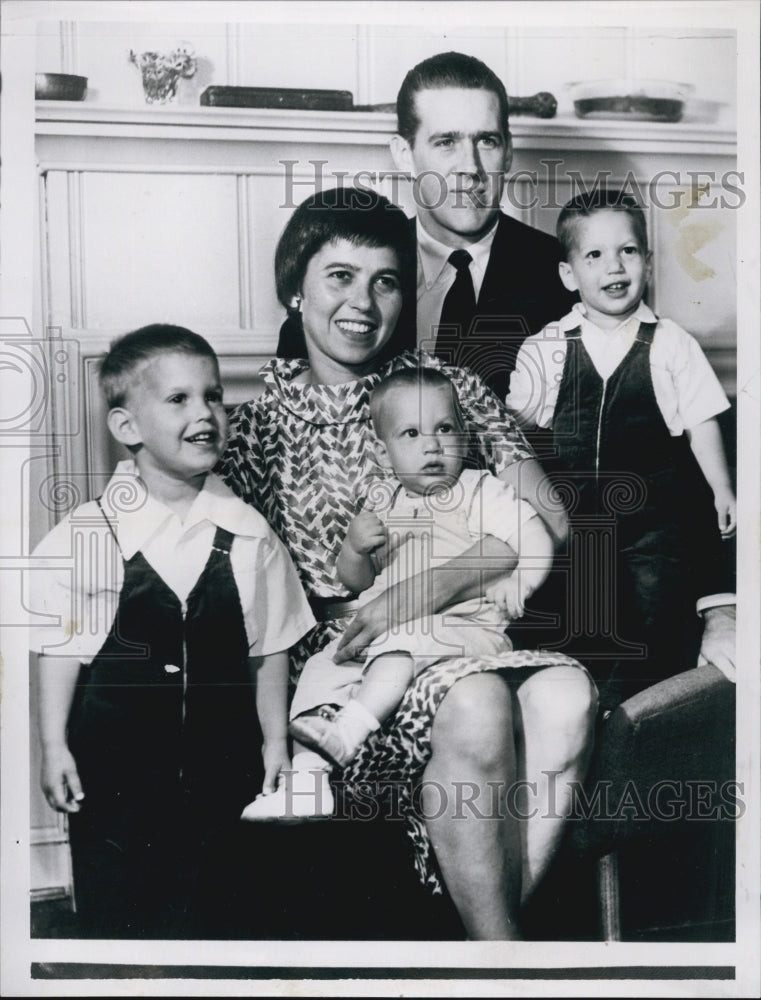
point(337, 736)
point(357, 722)
point(307, 760)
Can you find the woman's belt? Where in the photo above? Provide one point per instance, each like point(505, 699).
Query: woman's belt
point(326, 609)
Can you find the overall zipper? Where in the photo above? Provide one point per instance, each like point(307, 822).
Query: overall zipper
point(599, 435)
point(184, 610)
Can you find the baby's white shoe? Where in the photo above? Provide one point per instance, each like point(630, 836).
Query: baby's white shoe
point(300, 796)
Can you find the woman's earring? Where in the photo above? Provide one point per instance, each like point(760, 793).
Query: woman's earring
point(296, 303)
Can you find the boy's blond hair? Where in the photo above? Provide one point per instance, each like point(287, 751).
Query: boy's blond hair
point(128, 354)
point(599, 199)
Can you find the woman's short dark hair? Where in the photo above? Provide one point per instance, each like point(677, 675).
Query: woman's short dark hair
point(119, 368)
point(361, 217)
point(447, 69)
point(599, 199)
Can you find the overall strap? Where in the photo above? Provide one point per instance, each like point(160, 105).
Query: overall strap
point(478, 486)
point(568, 388)
point(386, 508)
point(646, 332)
point(110, 526)
point(395, 496)
point(223, 541)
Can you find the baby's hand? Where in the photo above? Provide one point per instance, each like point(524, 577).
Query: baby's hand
point(366, 533)
point(509, 595)
point(726, 508)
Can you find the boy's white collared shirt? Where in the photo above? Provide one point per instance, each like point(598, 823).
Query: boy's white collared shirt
point(686, 388)
point(435, 277)
point(78, 574)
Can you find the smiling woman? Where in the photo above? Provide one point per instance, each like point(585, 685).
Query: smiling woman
point(353, 298)
point(305, 454)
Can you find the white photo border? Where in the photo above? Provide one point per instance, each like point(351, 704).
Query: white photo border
point(357, 968)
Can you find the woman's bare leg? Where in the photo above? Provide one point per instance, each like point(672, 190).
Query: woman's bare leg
point(554, 722)
point(478, 846)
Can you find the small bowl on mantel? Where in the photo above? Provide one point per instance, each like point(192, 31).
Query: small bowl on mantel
point(59, 87)
point(630, 100)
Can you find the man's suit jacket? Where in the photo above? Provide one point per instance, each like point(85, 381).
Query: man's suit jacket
point(520, 294)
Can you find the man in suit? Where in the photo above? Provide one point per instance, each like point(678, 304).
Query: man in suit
point(453, 138)
point(474, 306)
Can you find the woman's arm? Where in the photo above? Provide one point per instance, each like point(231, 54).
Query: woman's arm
point(59, 777)
point(504, 449)
point(708, 448)
point(270, 674)
point(534, 563)
point(531, 483)
point(431, 590)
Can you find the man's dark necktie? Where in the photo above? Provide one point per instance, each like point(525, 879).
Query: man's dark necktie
point(459, 307)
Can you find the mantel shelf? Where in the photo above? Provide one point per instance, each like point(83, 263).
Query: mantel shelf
point(275, 125)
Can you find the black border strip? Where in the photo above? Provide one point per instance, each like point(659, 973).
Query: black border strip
point(87, 970)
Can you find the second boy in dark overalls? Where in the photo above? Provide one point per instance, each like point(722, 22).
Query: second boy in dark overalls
point(631, 401)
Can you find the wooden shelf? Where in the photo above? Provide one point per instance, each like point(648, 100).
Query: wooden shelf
point(236, 124)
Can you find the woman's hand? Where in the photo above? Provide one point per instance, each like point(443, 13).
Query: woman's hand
point(366, 533)
point(59, 779)
point(276, 759)
point(428, 592)
point(368, 623)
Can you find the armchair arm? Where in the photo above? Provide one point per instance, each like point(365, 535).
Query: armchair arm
point(649, 751)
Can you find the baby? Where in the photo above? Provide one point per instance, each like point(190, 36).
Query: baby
point(432, 510)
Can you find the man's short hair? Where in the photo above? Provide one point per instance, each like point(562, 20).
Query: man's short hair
point(410, 378)
point(599, 199)
point(447, 69)
point(127, 355)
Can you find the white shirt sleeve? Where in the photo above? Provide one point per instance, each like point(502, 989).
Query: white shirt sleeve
point(275, 609)
point(677, 361)
point(536, 379)
point(74, 587)
point(496, 510)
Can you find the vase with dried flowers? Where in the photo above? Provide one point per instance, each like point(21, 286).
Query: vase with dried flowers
point(162, 71)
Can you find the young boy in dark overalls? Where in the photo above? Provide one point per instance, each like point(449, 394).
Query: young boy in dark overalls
point(163, 691)
point(631, 402)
